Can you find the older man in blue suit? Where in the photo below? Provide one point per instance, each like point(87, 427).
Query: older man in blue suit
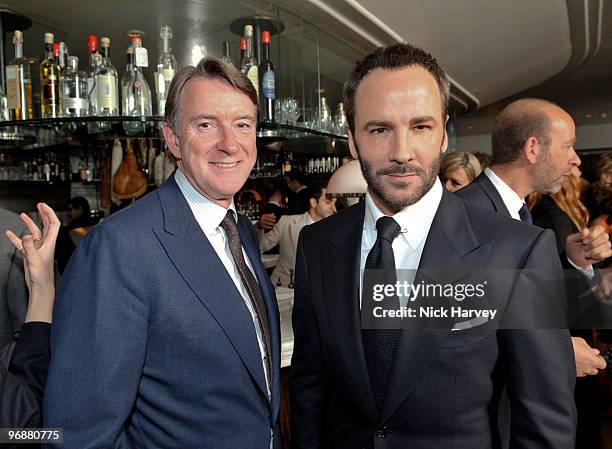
point(166, 330)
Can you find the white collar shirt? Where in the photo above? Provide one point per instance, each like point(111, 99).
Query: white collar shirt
point(209, 215)
point(511, 200)
point(415, 222)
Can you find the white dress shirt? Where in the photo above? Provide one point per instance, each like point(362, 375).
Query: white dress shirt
point(209, 216)
point(513, 203)
point(414, 220)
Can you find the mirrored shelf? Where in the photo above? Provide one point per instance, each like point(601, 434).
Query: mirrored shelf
point(43, 133)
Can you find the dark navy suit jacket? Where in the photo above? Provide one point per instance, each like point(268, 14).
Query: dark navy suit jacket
point(445, 386)
point(152, 344)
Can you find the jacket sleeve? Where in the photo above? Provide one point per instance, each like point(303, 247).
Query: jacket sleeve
point(23, 371)
point(310, 382)
point(539, 367)
point(16, 289)
point(268, 240)
point(98, 342)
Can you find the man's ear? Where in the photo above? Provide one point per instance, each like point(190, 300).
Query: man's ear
point(532, 150)
point(172, 140)
point(313, 203)
point(352, 146)
point(444, 146)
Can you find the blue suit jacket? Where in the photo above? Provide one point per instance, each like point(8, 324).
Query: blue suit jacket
point(152, 344)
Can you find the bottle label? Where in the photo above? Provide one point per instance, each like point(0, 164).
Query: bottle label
point(142, 57)
point(168, 73)
point(106, 91)
point(268, 85)
point(253, 75)
point(13, 91)
point(50, 91)
point(73, 103)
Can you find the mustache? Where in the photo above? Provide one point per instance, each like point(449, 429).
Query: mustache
point(400, 170)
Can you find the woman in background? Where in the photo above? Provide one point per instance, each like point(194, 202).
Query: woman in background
point(458, 169)
point(25, 362)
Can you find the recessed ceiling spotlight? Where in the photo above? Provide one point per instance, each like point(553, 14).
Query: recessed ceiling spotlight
point(603, 115)
point(588, 115)
point(470, 127)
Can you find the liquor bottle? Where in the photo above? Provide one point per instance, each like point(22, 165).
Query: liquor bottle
point(49, 81)
point(73, 88)
point(267, 82)
point(63, 55)
point(19, 83)
point(106, 83)
point(94, 62)
point(139, 87)
point(165, 69)
point(227, 55)
point(127, 97)
point(248, 63)
point(242, 49)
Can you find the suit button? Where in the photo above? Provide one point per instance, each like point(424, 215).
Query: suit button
point(381, 433)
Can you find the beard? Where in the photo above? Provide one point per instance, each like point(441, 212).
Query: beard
point(547, 182)
point(388, 193)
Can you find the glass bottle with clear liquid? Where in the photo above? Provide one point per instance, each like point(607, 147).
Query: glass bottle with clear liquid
point(139, 88)
point(166, 68)
point(49, 80)
point(249, 63)
point(127, 98)
point(73, 86)
point(107, 91)
point(19, 83)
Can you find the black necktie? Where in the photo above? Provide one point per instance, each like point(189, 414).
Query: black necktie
point(525, 215)
point(380, 344)
point(249, 281)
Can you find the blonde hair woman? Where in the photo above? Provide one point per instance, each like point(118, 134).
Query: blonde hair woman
point(458, 169)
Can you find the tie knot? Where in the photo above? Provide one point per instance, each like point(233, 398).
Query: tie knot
point(387, 228)
point(229, 224)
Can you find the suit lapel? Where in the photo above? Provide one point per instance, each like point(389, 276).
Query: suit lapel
point(198, 264)
point(489, 189)
point(341, 277)
point(269, 294)
point(450, 246)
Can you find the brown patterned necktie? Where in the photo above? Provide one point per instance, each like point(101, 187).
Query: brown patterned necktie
point(249, 281)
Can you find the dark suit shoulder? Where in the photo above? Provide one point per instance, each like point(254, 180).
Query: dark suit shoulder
point(475, 194)
point(335, 225)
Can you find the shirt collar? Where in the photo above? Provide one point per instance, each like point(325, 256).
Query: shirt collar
point(309, 219)
point(512, 201)
point(207, 213)
point(415, 220)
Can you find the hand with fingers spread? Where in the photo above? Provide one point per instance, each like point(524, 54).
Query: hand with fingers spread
point(588, 247)
point(38, 250)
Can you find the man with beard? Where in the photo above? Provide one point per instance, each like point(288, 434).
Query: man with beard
point(533, 151)
point(354, 386)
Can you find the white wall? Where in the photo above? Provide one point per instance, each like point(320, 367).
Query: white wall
point(588, 138)
point(471, 144)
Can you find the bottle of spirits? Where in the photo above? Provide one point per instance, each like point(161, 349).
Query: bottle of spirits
point(127, 97)
point(73, 89)
point(267, 82)
point(165, 69)
point(106, 83)
point(49, 81)
point(19, 83)
point(139, 87)
point(94, 62)
point(248, 63)
point(242, 50)
point(63, 55)
point(227, 55)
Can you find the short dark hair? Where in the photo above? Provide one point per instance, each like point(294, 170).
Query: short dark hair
point(396, 56)
point(208, 67)
point(517, 122)
point(79, 202)
point(315, 192)
point(296, 175)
